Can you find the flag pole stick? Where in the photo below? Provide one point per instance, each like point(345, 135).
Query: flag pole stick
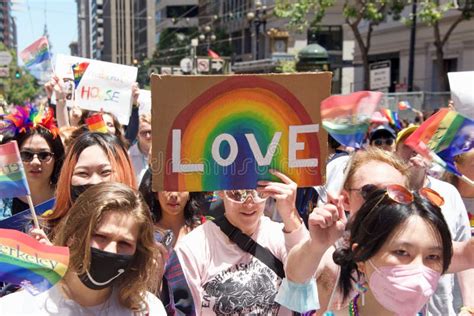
point(33, 212)
point(466, 179)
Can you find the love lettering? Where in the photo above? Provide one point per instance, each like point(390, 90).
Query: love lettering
point(99, 94)
point(261, 158)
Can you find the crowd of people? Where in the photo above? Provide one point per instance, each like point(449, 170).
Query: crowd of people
point(387, 234)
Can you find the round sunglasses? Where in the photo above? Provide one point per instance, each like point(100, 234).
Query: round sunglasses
point(402, 195)
point(240, 196)
point(43, 156)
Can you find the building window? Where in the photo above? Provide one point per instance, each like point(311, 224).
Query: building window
point(328, 36)
point(247, 42)
point(182, 11)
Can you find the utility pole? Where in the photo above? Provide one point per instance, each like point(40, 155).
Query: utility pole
point(411, 57)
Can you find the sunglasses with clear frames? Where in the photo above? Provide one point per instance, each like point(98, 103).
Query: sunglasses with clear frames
point(43, 156)
point(240, 196)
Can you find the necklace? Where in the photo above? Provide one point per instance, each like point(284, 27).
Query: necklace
point(353, 309)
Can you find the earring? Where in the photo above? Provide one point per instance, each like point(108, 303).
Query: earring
point(362, 287)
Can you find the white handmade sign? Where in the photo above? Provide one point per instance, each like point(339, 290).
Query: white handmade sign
point(103, 86)
point(462, 84)
point(144, 100)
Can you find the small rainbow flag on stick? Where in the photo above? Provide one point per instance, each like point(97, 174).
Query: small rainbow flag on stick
point(96, 123)
point(446, 133)
point(347, 117)
point(392, 117)
point(78, 70)
point(26, 262)
point(12, 175)
point(36, 53)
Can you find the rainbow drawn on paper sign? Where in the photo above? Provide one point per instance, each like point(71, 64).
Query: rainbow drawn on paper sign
point(239, 106)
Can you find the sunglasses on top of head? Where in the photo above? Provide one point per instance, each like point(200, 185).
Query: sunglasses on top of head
point(400, 194)
point(240, 196)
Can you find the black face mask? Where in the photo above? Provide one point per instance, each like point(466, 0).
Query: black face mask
point(105, 269)
point(77, 190)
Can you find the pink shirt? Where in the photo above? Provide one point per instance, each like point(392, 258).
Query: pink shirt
point(226, 280)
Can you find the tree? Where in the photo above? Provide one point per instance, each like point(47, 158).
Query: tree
point(174, 45)
point(372, 12)
point(20, 86)
point(431, 13)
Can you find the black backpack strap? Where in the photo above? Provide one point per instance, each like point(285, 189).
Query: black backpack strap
point(247, 244)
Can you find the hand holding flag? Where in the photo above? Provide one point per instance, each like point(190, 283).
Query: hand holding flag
point(446, 134)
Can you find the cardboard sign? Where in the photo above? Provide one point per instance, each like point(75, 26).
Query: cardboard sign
point(104, 86)
point(144, 101)
point(226, 132)
point(461, 84)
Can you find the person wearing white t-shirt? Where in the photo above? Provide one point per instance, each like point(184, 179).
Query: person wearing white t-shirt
point(114, 260)
point(223, 278)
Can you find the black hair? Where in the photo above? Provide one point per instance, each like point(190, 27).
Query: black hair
point(375, 222)
point(54, 143)
point(192, 215)
point(332, 142)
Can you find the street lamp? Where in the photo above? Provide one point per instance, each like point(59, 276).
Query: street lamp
point(258, 18)
point(207, 34)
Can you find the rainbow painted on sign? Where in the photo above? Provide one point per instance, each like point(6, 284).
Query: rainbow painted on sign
point(234, 132)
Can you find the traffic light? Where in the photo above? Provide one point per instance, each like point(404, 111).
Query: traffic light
point(17, 74)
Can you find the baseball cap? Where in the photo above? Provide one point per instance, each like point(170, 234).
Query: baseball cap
point(382, 130)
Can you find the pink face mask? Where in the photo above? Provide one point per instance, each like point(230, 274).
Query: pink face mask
point(403, 289)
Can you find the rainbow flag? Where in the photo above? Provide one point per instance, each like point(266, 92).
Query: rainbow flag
point(12, 175)
point(26, 262)
point(392, 117)
point(404, 105)
point(347, 117)
point(36, 53)
point(78, 70)
point(447, 133)
point(96, 123)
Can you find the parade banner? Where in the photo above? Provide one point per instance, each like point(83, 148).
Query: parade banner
point(102, 85)
point(226, 132)
point(144, 100)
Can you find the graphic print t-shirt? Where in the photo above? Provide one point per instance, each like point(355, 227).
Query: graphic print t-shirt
point(225, 280)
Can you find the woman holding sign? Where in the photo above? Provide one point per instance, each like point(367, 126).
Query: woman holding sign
point(224, 273)
point(92, 158)
point(41, 152)
point(114, 260)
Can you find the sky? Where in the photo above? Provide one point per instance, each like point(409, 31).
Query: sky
point(61, 21)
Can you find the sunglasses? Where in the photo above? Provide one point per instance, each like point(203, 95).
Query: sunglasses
point(402, 195)
point(43, 156)
point(383, 141)
point(240, 196)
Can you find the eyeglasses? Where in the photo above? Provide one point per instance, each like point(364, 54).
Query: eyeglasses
point(402, 195)
point(145, 133)
point(240, 196)
point(43, 156)
point(383, 141)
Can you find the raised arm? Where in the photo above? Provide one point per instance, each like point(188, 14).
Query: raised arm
point(463, 256)
point(326, 226)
